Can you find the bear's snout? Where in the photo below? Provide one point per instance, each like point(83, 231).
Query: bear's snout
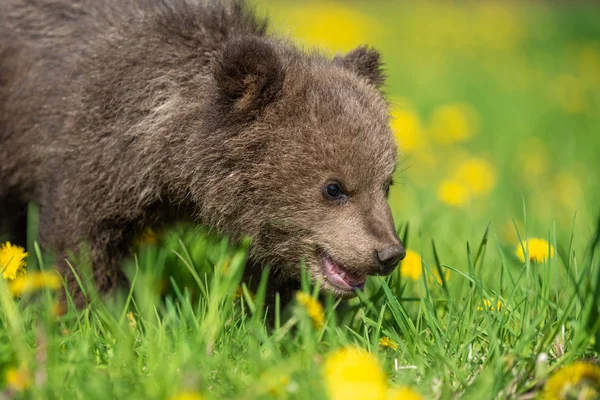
point(388, 258)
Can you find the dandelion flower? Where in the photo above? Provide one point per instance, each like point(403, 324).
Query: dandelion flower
point(453, 193)
point(132, 321)
point(407, 129)
point(354, 374)
point(313, 308)
point(12, 261)
point(453, 123)
point(410, 267)
point(187, 396)
point(275, 383)
point(35, 281)
point(239, 293)
point(488, 306)
point(403, 393)
point(331, 25)
point(538, 250)
point(387, 343)
point(17, 379)
point(437, 278)
point(148, 237)
point(580, 380)
point(477, 174)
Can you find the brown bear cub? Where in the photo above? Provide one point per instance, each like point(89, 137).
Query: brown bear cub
point(121, 115)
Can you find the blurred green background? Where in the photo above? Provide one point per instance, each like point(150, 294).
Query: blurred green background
point(495, 106)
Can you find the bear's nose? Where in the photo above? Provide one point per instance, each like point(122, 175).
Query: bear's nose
point(389, 258)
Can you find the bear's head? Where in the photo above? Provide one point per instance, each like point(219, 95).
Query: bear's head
point(311, 156)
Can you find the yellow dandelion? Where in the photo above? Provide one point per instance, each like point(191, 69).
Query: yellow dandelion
point(12, 260)
point(403, 393)
point(477, 174)
point(132, 321)
point(313, 308)
point(239, 293)
point(147, 237)
point(354, 374)
point(435, 277)
point(453, 123)
point(411, 267)
point(17, 379)
point(580, 380)
point(538, 250)
point(35, 281)
point(331, 25)
point(407, 129)
point(275, 383)
point(387, 343)
point(187, 396)
point(57, 309)
point(487, 305)
point(453, 193)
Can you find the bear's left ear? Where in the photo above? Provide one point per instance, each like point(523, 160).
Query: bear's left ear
point(249, 76)
point(366, 62)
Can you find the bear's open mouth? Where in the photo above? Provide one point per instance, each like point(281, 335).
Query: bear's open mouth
point(338, 276)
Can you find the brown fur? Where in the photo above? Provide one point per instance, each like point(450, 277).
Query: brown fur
point(116, 116)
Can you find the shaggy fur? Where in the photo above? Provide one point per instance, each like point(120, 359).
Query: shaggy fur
point(120, 115)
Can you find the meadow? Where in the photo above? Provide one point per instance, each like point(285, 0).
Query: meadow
point(496, 108)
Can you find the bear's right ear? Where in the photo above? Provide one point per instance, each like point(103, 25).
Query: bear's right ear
point(249, 75)
point(366, 62)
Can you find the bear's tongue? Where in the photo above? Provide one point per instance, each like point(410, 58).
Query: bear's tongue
point(340, 277)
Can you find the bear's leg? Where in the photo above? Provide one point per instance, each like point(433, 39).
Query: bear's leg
point(81, 250)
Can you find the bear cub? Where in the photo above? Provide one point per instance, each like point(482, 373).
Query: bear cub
point(117, 116)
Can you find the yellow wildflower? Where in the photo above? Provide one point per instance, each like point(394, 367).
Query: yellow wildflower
point(452, 123)
point(12, 260)
point(580, 380)
point(436, 277)
point(354, 374)
point(387, 343)
point(453, 193)
point(275, 383)
point(57, 309)
point(538, 250)
point(17, 379)
point(132, 321)
point(488, 306)
point(313, 308)
point(411, 267)
point(403, 393)
point(35, 281)
point(477, 174)
point(147, 237)
point(407, 129)
point(187, 396)
point(239, 293)
point(331, 25)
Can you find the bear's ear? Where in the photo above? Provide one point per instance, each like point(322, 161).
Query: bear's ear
point(366, 62)
point(249, 75)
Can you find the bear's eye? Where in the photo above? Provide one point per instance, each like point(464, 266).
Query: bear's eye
point(333, 191)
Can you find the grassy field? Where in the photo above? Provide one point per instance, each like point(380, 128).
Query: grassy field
point(496, 108)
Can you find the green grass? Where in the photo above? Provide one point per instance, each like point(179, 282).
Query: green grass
point(191, 333)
